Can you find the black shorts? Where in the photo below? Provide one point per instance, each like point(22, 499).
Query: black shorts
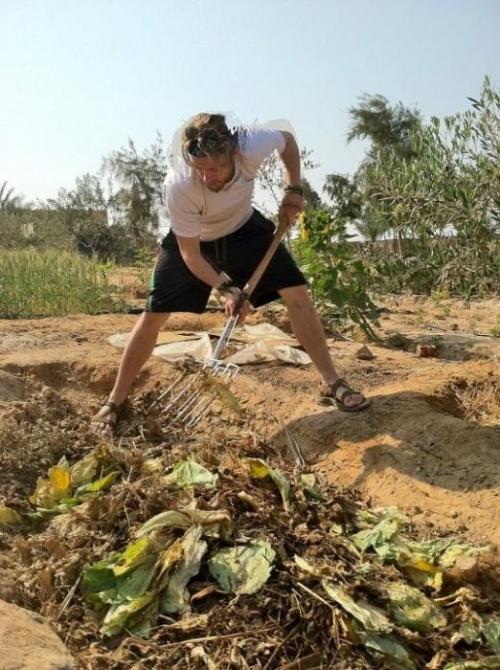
point(174, 288)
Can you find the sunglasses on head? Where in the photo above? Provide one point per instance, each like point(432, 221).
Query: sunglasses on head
point(208, 142)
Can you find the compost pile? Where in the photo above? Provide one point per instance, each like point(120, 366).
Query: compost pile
point(204, 549)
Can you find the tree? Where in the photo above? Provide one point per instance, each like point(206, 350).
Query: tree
point(8, 201)
point(139, 197)
point(374, 119)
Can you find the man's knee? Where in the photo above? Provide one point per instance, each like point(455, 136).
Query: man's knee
point(152, 320)
point(296, 296)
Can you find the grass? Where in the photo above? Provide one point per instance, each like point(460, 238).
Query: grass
point(54, 283)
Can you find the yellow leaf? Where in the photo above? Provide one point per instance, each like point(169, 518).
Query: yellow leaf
point(9, 517)
point(60, 478)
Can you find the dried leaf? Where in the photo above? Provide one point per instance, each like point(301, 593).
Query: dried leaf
point(175, 598)
point(485, 663)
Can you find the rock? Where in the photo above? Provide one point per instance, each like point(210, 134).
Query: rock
point(364, 354)
point(426, 350)
point(28, 643)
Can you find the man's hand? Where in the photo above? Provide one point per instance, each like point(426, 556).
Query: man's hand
point(291, 206)
point(234, 305)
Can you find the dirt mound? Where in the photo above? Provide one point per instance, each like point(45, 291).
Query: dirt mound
point(27, 642)
point(11, 387)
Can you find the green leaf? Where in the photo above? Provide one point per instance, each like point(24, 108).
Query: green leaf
point(142, 623)
point(470, 631)
point(117, 616)
point(491, 633)
point(135, 554)
point(99, 576)
point(259, 469)
point(394, 654)
point(98, 485)
point(135, 584)
point(243, 569)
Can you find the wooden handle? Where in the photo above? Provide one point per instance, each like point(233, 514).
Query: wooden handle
point(249, 287)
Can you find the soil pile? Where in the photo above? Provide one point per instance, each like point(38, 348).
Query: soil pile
point(210, 549)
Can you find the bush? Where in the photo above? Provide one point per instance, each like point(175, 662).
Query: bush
point(53, 283)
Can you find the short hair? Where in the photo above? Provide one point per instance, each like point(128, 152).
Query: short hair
point(206, 135)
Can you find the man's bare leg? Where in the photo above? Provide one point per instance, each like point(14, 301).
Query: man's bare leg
point(139, 348)
point(309, 331)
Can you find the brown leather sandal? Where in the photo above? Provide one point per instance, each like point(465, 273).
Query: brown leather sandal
point(107, 417)
point(338, 392)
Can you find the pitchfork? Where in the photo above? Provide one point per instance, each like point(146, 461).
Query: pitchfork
point(191, 402)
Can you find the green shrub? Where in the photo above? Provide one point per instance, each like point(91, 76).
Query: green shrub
point(53, 283)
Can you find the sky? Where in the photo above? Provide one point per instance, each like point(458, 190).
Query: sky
point(78, 79)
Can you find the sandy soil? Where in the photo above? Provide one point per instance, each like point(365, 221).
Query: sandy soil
point(430, 442)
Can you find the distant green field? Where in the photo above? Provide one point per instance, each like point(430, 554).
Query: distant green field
point(53, 283)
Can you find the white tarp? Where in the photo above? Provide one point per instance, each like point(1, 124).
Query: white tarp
point(266, 343)
point(177, 351)
point(266, 351)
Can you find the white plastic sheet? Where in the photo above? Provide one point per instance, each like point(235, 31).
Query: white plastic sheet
point(176, 351)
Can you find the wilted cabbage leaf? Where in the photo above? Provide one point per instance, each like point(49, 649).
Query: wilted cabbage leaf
point(491, 633)
point(243, 569)
point(9, 517)
point(409, 607)
point(190, 473)
point(174, 597)
point(393, 652)
point(98, 485)
point(135, 554)
point(311, 488)
point(259, 469)
point(84, 470)
point(216, 523)
point(116, 618)
point(372, 618)
point(50, 491)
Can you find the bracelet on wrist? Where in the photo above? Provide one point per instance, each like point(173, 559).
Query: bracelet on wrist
point(227, 286)
point(295, 188)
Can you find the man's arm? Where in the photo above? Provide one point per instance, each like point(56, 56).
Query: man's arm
point(293, 200)
point(291, 160)
point(201, 268)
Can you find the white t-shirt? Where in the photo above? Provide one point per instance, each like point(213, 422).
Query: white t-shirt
point(194, 210)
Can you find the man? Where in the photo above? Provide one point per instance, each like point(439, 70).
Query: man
point(216, 240)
